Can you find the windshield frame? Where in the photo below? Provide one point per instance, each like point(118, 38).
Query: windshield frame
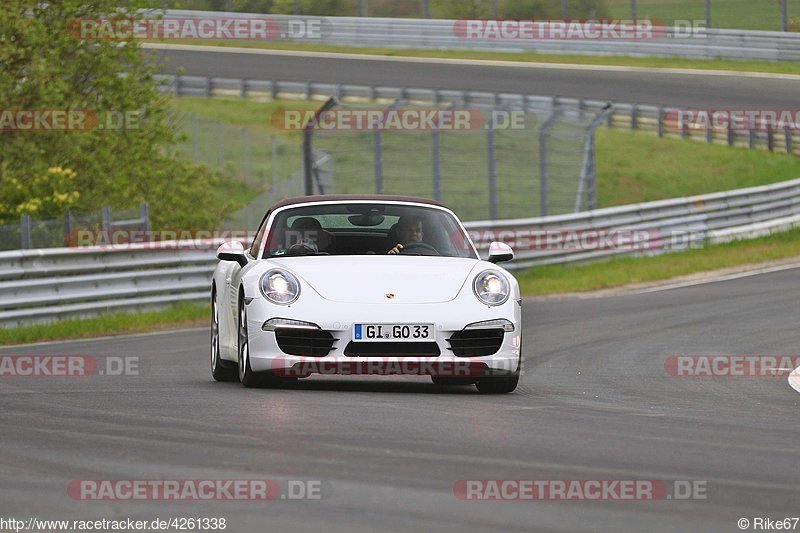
point(273, 214)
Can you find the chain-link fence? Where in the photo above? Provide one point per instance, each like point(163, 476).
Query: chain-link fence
point(31, 233)
point(513, 164)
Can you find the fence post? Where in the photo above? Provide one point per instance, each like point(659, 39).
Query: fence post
point(377, 145)
point(308, 182)
point(274, 176)
point(246, 149)
point(25, 232)
point(784, 16)
point(144, 214)
point(588, 178)
point(105, 219)
point(543, 132)
point(195, 140)
point(68, 228)
point(437, 164)
point(220, 147)
point(491, 162)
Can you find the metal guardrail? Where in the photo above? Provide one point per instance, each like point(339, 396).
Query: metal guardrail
point(442, 34)
point(657, 119)
point(48, 284)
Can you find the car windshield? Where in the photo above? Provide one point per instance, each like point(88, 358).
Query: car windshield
point(367, 229)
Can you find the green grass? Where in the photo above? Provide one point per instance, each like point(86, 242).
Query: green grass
point(556, 279)
point(638, 167)
point(632, 166)
point(180, 315)
point(743, 14)
point(786, 67)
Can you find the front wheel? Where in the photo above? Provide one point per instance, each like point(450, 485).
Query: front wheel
point(247, 377)
point(221, 370)
point(501, 385)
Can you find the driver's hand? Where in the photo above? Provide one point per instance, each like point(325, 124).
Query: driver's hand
point(396, 250)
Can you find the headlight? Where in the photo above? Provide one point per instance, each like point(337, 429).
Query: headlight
point(279, 286)
point(491, 287)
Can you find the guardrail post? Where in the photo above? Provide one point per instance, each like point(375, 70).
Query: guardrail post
point(307, 91)
point(788, 136)
point(770, 140)
point(177, 85)
point(491, 162)
point(660, 125)
point(105, 219)
point(750, 138)
point(243, 88)
point(377, 144)
point(25, 232)
point(208, 89)
point(709, 134)
point(731, 136)
point(635, 116)
point(437, 164)
point(273, 90)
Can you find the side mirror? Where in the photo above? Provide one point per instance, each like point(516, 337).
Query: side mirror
point(500, 251)
point(232, 251)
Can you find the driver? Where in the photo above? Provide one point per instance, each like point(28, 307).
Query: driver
point(409, 230)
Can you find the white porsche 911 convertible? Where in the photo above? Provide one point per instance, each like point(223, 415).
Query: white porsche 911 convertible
point(365, 285)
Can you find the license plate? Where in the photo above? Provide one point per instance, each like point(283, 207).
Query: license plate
point(393, 332)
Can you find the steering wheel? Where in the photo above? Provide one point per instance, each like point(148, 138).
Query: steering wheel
point(418, 248)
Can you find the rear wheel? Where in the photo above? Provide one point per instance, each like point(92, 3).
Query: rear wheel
point(221, 370)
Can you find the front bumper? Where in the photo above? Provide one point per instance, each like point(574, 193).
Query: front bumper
point(338, 319)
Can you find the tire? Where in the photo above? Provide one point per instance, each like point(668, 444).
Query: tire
point(501, 385)
point(247, 377)
point(221, 370)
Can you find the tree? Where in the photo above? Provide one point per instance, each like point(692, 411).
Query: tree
point(125, 158)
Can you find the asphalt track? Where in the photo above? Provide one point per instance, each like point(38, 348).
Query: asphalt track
point(689, 90)
point(595, 402)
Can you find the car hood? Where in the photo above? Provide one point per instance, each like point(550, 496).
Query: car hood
point(370, 279)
